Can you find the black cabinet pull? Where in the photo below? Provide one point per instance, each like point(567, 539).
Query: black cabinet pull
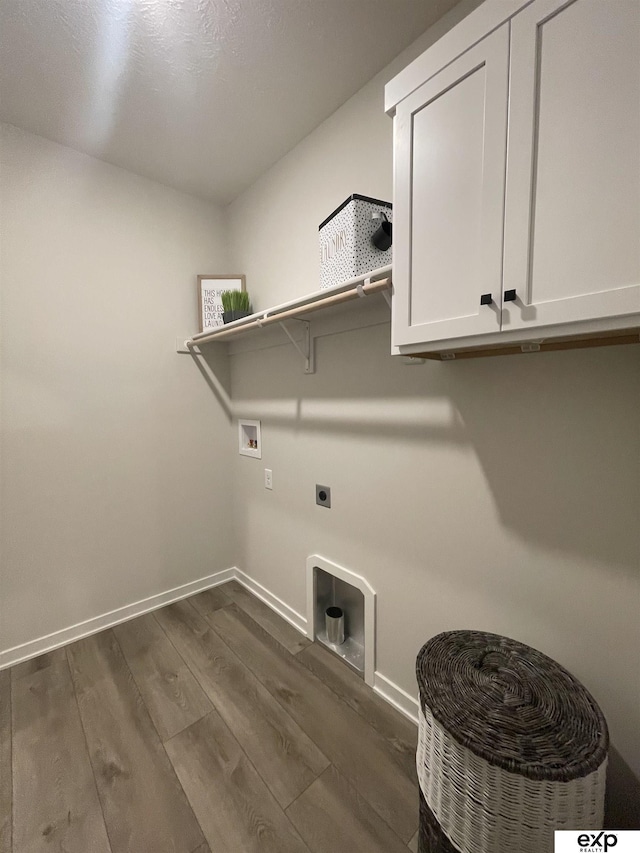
point(509, 296)
point(486, 299)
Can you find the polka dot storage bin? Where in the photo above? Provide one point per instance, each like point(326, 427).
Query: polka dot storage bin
point(346, 250)
point(510, 747)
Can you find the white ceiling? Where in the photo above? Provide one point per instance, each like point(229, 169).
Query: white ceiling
point(203, 95)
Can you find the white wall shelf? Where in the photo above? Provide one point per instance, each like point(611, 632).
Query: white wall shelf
point(377, 281)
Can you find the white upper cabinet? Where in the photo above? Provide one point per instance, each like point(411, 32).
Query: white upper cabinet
point(450, 144)
point(572, 227)
point(549, 100)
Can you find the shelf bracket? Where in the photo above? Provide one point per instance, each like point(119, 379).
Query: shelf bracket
point(306, 350)
point(362, 292)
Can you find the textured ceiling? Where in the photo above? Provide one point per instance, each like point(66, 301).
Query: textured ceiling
point(203, 95)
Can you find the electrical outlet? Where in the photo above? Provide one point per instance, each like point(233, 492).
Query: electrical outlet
point(323, 496)
point(268, 478)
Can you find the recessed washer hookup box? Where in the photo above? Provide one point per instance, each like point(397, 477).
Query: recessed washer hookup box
point(346, 250)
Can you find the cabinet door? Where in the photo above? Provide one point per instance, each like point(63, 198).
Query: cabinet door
point(450, 148)
point(572, 219)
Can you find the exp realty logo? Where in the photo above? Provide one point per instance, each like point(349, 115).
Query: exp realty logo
point(622, 841)
point(589, 842)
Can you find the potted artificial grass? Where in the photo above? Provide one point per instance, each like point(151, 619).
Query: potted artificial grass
point(236, 305)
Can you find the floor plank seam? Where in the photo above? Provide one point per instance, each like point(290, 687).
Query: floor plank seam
point(245, 590)
point(186, 796)
point(239, 675)
point(195, 817)
point(148, 746)
point(260, 776)
point(240, 746)
point(295, 800)
point(86, 743)
point(341, 698)
point(346, 705)
point(249, 616)
point(356, 709)
point(353, 783)
point(293, 655)
point(137, 686)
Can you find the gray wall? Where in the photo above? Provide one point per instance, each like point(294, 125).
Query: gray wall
point(115, 466)
point(500, 493)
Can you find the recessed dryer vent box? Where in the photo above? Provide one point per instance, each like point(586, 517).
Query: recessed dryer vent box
point(330, 585)
point(249, 439)
point(346, 250)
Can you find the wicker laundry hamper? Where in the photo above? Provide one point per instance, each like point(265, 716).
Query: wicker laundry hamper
point(511, 747)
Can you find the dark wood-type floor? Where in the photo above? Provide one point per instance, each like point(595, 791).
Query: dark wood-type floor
point(210, 726)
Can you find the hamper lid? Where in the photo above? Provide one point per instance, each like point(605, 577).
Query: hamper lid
point(350, 199)
point(512, 705)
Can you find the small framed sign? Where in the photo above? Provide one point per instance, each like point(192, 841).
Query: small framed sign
point(209, 302)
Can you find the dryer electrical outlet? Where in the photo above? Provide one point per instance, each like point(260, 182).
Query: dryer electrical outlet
point(323, 496)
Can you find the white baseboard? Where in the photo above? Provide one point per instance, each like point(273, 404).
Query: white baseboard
point(396, 696)
point(383, 686)
point(281, 608)
point(33, 648)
